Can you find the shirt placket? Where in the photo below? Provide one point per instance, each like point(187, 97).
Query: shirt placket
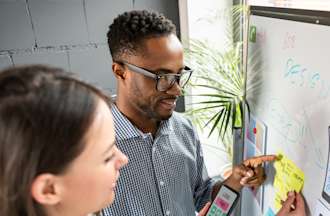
point(161, 178)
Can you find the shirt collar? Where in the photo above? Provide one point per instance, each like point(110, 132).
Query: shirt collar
point(125, 129)
point(165, 127)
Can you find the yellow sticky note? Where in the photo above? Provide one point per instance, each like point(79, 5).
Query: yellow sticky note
point(288, 177)
point(277, 200)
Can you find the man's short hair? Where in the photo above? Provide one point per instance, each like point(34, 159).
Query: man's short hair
point(129, 30)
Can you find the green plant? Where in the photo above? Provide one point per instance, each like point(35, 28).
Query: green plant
point(219, 81)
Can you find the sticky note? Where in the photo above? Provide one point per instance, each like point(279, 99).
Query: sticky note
point(288, 177)
point(270, 212)
point(253, 34)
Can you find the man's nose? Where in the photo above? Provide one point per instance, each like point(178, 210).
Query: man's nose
point(174, 90)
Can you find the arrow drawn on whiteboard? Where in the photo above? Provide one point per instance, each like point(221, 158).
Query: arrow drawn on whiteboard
point(319, 157)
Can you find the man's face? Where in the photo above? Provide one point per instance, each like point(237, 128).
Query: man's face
point(162, 55)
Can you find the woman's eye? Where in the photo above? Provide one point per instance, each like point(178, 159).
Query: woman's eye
point(108, 159)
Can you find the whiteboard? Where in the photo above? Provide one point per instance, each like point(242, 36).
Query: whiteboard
point(288, 90)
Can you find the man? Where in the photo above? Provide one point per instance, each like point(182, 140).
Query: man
point(166, 174)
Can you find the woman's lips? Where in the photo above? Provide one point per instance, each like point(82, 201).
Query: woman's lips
point(113, 185)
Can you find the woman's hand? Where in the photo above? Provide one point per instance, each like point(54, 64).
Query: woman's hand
point(293, 206)
point(204, 210)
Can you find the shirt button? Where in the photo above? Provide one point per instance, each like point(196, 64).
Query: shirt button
point(167, 212)
point(161, 183)
point(153, 149)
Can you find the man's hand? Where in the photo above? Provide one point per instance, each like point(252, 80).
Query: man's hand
point(293, 206)
point(257, 161)
point(249, 173)
point(204, 209)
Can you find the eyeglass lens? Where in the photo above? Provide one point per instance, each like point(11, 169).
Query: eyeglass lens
point(166, 81)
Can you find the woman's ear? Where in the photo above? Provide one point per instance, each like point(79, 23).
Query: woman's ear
point(45, 189)
point(118, 70)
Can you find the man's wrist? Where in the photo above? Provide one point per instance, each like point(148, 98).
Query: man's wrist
point(233, 183)
point(228, 182)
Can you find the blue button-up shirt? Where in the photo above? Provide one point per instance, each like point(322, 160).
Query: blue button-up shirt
point(165, 175)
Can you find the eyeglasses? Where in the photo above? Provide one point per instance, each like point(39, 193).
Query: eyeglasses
point(164, 81)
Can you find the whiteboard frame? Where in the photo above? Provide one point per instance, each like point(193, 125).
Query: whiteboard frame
point(297, 4)
point(307, 16)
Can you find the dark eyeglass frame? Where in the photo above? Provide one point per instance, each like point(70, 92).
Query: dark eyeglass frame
point(157, 77)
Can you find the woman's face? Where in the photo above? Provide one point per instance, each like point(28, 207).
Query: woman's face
point(90, 181)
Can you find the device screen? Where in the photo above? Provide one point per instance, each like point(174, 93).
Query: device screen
point(224, 202)
point(326, 187)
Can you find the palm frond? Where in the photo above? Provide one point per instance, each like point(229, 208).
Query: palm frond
point(218, 79)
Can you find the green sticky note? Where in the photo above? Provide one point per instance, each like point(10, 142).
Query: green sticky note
point(253, 34)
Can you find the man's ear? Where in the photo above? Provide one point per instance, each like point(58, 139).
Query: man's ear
point(45, 189)
point(118, 70)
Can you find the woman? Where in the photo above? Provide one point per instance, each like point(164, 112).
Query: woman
point(57, 145)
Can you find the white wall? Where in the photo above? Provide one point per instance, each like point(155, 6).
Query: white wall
point(199, 15)
point(197, 25)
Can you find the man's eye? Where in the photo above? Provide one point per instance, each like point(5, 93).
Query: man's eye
point(162, 72)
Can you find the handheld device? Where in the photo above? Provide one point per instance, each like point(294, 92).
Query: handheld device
point(326, 186)
point(224, 202)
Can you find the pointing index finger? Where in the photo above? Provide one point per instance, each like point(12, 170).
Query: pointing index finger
point(256, 161)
